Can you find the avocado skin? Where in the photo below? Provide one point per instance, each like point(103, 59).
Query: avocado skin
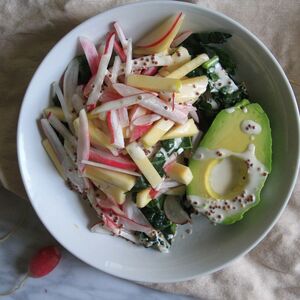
point(225, 133)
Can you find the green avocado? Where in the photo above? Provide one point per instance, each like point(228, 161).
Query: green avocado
point(231, 163)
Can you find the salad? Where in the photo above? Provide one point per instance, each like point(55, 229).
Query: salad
point(126, 119)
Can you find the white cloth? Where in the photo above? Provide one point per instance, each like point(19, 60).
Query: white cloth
point(30, 28)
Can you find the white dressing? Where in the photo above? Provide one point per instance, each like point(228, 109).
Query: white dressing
point(250, 127)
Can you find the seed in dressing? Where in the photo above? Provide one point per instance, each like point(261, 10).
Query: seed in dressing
point(250, 127)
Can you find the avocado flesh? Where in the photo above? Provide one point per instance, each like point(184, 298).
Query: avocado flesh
point(226, 133)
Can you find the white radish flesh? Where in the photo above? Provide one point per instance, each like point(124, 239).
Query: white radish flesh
point(83, 148)
point(174, 211)
point(146, 120)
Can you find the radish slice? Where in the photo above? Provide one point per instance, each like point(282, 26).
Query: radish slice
point(150, 71)
point(77, 103)
point(181, 37)
point(128, 224)
point(146, 120)
point(120, 52)
point(89, 87)
point(133, 213)
point(107, 167)
point(58, 126)
point(69, 148)
point(168, 183)
point(115, 69)
point(96, 91)
point(83, 148)
point(173, 101)
point(126, 90)
point(53, 140)
point(120, 34)
point(67, 113)
point(129, 235)
point(194, 115)
point(109, 95)
point(164, 109)
point(91, 53)
point(101, 49)
point(91, 195)
point(44, 261)
point(138, 131)
point(136, 112)
point(109, 43)
point(123, 117)
point(115, 128)
point(119, 103)
point(105, 157)
point(106, 203)
point(174, 211)
point(70, 82)
point(128, 65)
point(170, 160)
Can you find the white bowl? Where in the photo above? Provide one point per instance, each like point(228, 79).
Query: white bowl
point(209, 248)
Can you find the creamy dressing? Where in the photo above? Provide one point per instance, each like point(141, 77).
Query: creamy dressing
point(250, 127)
point(245, 110)
point(230, 110)
point(224, 79)
point(219, 209)
point(213, 103)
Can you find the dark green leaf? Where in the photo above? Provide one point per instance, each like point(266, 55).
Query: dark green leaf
point(84, 70)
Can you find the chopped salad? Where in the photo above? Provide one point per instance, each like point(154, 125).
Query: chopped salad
point(125, 118)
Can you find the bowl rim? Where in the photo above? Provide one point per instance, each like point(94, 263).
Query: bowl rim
point(283, 77)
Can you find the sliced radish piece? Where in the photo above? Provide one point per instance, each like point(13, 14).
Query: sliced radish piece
point(174, 211)
point(115, 128)
point(91, 53)
point(106, 203)
point(101, 49)
point(53, 140)
point(138, 131)
point(146, 120)
point(77, 103)
point(173, 101)
point(83, 148)
point(128, 64)
point(128, 224)
point(69, 148)
point(136, 112)
point(89, 87)
point(105, 157)
point(164, 109)
point(123, 117)
point(60, 128)
point(168, 183)
point(194, 115)
point(115, 69)
point(170, 160)
point(109, 95)
point(70, 82)
point(120, 34)
point(91, 196)
point(151, 71)
point(64, 106)
point(107, 167)
point(126, 90)
point(133, 213)
point(181, 37)
point(96, 91)
point(120, 52)
point(119, 103)
point(44, 261)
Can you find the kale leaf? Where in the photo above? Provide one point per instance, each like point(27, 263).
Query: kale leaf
point(206, 42)
point(84, 70)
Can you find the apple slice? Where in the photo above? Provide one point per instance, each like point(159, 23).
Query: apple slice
point(160, 38)
point(152, 83)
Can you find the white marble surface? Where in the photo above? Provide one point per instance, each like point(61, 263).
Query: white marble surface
point(72, 279)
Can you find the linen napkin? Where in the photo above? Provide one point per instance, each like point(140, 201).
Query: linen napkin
point(29, 29)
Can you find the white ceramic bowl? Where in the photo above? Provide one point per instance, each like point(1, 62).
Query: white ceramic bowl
point(209, 248)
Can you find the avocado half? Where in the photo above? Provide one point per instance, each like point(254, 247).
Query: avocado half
point(231, 163)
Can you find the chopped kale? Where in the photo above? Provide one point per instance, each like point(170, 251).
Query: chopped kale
point(206, 43)
point(157, 218)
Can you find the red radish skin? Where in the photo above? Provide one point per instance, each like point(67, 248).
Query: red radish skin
point(139, 131)
point(44, 261)
point(164, 36)
point(119, 51)
point(91, 54)
point(150, 71)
